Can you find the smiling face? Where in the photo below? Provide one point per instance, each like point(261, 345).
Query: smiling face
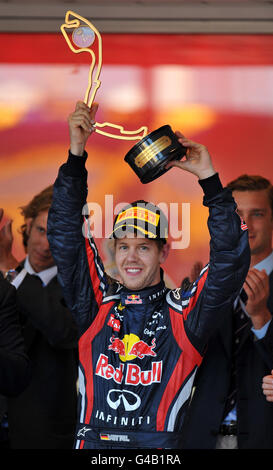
point(38, 249)
point(254, 208)
point(138, 261)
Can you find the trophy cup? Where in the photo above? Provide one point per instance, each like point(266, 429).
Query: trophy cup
point(147, 157)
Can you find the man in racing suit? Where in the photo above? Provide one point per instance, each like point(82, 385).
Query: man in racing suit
point(140, 343)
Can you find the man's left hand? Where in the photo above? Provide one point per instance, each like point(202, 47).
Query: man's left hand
point(197, 159)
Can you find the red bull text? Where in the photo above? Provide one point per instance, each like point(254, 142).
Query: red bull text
point(130, 374)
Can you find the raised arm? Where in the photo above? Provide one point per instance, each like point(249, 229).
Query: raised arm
point(219, 283)
point(81, 125)
point(80, 269)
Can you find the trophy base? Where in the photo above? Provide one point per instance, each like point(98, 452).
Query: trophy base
point(150, 155)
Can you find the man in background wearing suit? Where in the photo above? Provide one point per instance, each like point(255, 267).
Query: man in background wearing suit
point(228, 408)
point(43, 416)
point(14, 363)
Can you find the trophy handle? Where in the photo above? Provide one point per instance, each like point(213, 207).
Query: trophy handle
point(124, 135)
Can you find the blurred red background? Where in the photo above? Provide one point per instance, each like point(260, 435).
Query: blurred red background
point(216, 89)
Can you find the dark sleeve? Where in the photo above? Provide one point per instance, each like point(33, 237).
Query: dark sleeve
point(214, 292)
point(80, 269)
point(14, 363)
point(265, 345)
point(44, 308)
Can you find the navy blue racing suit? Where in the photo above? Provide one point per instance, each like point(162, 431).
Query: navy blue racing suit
point(139, 350)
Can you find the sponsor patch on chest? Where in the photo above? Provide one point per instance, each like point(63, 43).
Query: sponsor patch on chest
point(133, 299)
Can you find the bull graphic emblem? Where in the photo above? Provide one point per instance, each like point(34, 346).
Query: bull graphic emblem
point(131, 347)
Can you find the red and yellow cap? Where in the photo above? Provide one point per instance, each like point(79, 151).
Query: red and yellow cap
point(141, 217)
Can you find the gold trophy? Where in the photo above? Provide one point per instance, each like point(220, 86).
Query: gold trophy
point(150, 155)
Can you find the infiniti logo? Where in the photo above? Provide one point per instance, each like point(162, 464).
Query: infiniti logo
point(130, 400)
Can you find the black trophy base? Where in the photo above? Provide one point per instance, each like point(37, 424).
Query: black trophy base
point(150, 155)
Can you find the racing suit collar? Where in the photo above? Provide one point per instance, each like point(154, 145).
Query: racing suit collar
point(148, 294)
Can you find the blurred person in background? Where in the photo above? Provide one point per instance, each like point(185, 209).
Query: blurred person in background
point(14, 363)
point(228, 408)
point(43, 416)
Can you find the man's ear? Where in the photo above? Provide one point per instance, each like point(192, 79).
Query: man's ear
point(28, 222)
point(164, 252)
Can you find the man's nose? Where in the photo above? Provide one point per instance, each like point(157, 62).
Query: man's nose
point(132, 254)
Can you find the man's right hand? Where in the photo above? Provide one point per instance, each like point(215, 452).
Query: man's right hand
point(81, 125)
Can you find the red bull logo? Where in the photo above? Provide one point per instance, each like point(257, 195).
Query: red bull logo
point(141, 349)
point(117, 346)
point(131, 347)
point(130, 374)
point(133, 299)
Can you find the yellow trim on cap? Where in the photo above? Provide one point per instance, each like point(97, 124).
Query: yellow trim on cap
point(145, 232)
